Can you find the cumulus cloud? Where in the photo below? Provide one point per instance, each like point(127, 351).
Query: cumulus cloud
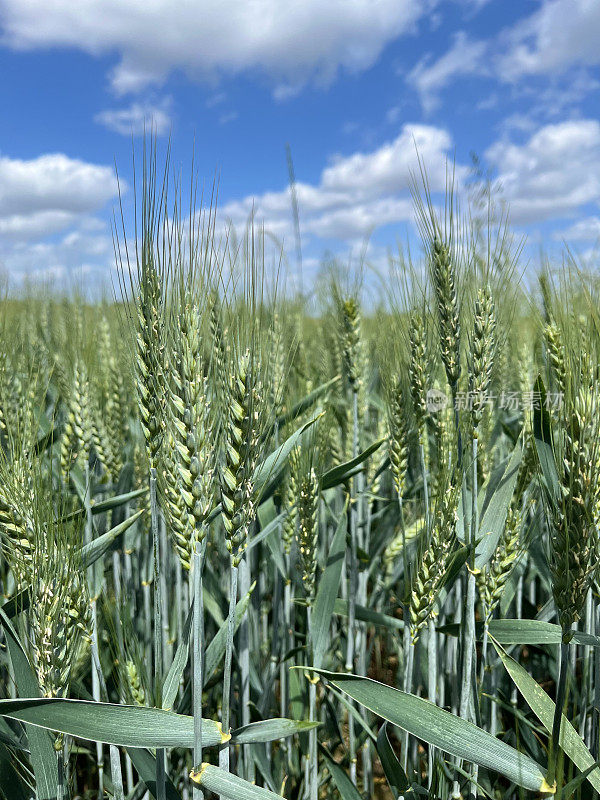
point(558, 43)
point(553, 174)
point(53, 183)
point(561, 34)
point(290, 42)
point(355, 194)
point(73, 256)
point(584, 230)
point(137, 118)
point(53, 196)
point(35, 225)
point(429, 77)
point(358, 193)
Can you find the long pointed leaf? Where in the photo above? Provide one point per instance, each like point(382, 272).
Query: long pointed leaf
point(343, 784)
point(441, 729)
point(494, 516)
point(543, 707)
point(270, 730)
point(368, 615)
point(109, 504)
point(395, 775)
point(125, 726)
point(341, 473)
point(272, 466)
point(171, 683)
point(534, 631)
point(10, 780)
point(91, 552)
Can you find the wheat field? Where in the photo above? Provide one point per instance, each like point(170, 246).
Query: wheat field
point(257, 546)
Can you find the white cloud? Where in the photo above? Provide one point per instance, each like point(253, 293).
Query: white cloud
point(558, 42)
point(429, 77)
point(53, 183)
point(584, 230)
point(35, 225)
point(561, 34)
point(53, 196)
point(358, 193)
point(553, 174)
point(361, 219)
point(137, 118)
point(388, 169)
point(74, 255)
point(559, 99)
point(290, 42)
point(57, 196)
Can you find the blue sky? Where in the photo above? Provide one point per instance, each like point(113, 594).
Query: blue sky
point(352, 85)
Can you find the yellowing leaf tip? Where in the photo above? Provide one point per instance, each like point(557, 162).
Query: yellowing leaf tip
point(545, 788)
point(196, 774)
point(225, 737)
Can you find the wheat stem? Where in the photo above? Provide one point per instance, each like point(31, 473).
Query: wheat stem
point(198, 653)
point(431, 686)
point(158, 629)
point(226, 702)
point(244, 656)
point(561, 693)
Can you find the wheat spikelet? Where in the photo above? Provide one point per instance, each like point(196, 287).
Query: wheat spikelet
point(221, 351)
point(190, 449)
point(375, 466)
point(398, 436)
point(351, 340)
point(492, 579)
point(181, 525)
point(393, 551)
point(416, 371)
point(544, 284)
point(116, 415)
point(444, 284)
point(77, 434)
point(150, 356)
point(134, 683)
point(105, 355)
point(288, 530)
point(444, 437)
point(434, 561)
point(59, 619)
point(526, 468)
point(279, 366)
point(483, 344)
point(102, 444)
point(524, 368)
point(241, 450)
point(16, 522)
point(556, 356)
point(307, 504)
point(573, 534)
